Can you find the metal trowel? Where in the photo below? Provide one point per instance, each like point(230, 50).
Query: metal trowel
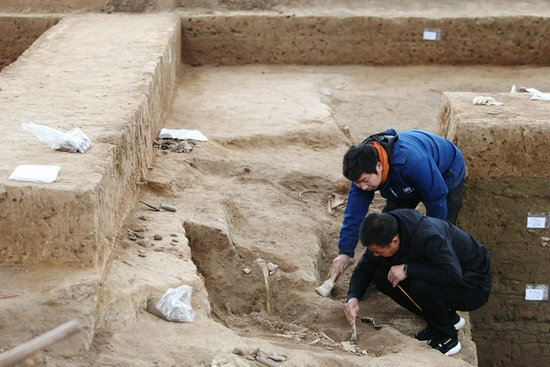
point(161, 206)
point(370, 320)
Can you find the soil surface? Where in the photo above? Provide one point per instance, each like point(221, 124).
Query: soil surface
point(267, 185)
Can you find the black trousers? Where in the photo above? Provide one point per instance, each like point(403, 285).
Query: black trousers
point(437, 303)
point(454, 203)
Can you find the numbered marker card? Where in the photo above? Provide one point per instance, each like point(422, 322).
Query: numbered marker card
point(537, 220)
point(536, 292)
point(431, 34)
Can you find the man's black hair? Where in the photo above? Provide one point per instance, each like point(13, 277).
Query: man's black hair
point(359, 159)
point(379, 229)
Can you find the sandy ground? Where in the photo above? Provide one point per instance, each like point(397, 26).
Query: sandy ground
point(261, 188)
point(266, 186)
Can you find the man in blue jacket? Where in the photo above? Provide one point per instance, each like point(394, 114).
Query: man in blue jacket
point(407, 168)
point(426, 265)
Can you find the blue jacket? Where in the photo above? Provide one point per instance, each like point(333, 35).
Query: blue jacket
point(434, 250)
point(423, 166)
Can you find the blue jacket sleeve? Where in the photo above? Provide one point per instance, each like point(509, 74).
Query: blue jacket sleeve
point(354, 213)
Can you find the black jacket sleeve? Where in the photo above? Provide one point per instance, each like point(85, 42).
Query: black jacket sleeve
point(361, 277)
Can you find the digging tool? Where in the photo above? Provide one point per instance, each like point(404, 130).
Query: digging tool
point(168, 208)
point(371, 321)
point(325, 288)
point(161, 206)
point(353, 332)
point(32, 346)
point(409, 297)
point(150, 206)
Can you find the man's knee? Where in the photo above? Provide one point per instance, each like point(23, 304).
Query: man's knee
point(422, 289)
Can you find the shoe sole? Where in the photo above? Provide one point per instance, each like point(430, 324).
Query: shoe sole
point(454, 350)
point(460, 324)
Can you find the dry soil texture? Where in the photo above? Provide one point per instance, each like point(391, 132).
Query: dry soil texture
point(262, 188)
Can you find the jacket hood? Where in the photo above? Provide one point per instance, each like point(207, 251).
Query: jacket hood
point(408, 220)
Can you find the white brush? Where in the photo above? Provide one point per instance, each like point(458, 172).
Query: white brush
point(325, 288)
point(353, 332)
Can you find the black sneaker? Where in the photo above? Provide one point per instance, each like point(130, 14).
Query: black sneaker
point(447, 346)
point(426, 334)
point(460, 323)
point(423, 335)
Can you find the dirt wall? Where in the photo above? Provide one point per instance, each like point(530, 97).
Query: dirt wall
point(17, 33)
point(327, 40)
point(508, 177)
point(74, 220)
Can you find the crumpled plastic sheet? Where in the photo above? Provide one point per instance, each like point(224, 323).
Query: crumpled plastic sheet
point(536, 94)
point(73, 141)
point(489, 101)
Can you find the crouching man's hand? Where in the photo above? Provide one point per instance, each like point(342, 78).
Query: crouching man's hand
point(351, 309)
point(396, 274)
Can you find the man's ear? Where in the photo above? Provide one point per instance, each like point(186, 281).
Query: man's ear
point(396, 239)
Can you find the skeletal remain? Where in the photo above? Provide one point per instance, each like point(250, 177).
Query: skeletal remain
point(334, 201)
point(265, 271)
point(272, 267)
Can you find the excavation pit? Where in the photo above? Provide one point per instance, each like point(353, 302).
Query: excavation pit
point(278, 143)
point(17, 33)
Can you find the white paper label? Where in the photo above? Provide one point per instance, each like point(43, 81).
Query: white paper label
point(536, 222)
point(431, 34)
point(536, 292)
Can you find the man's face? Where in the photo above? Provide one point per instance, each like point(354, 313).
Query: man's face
point(370, 181)
point(385, 251)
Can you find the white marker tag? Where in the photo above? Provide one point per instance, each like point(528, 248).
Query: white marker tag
point(536, 292)
point(537, 220)
point(432, 34)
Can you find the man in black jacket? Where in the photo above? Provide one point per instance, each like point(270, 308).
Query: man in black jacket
point(428, 266)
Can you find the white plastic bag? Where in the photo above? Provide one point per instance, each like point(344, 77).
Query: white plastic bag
point(72, 141)
point(175, 304)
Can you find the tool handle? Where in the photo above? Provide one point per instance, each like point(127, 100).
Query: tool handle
point(409, 297)
point(168, 207)
point(32, 346)
point(333, 276)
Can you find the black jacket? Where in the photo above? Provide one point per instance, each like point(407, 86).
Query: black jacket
point(435, 251)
